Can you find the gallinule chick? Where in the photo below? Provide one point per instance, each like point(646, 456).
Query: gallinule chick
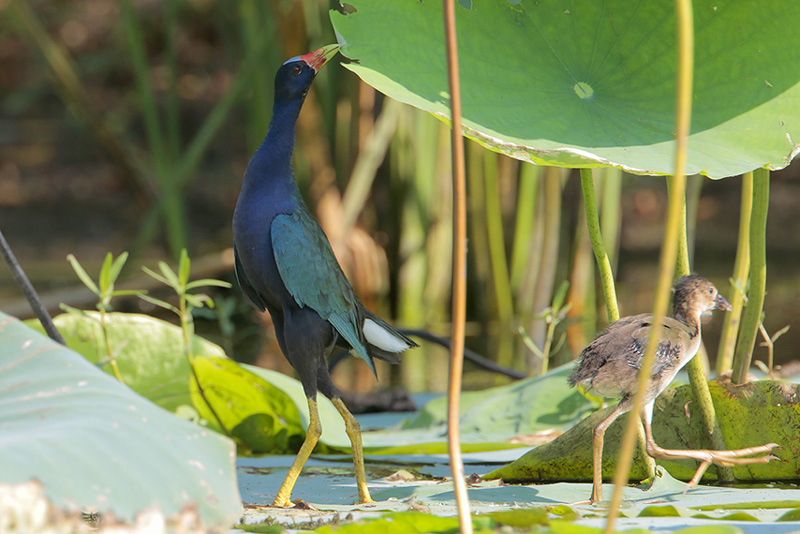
point(609, 366)
point(285, 264)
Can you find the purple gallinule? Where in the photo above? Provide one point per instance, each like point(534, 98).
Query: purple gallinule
point(285, 264)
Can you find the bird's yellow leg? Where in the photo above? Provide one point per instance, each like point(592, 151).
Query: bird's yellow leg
point(314, 431)
point(353, 429)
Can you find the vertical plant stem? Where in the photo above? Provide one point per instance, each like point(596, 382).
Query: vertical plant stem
point(523, 227)
point(545, 280)
point(596, 237)
point(414, 224)
point(187, 327)
point(682, 266)
point(758, 277)
point(111, 358)
point(581, 319)
point(162, 164)
point(610, 219)
point(172, 110)
point(497, 254)
point(459, 273)
point(741, 266)
point(694, 188)
point(695, 367)
point(137, 51)
point(683, 112)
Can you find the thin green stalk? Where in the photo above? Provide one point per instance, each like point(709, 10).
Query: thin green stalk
point(529, 175)
point(144, 88)
point(596, 237)
point(683, 112)
point(162, 163)
point(112, 358)
point(682, 266)
point(758, 277)
point(172, 109)
point(413, 174)
point(694, 188)
point(497, 255)
point(695, 367)
point(254, 25)
point(481, 266)
point(187, 327)
point(610, 218)
point(549, 257)
point(741, 266)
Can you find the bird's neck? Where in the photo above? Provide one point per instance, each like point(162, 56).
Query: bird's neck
point(688, 315)
point(271, 165)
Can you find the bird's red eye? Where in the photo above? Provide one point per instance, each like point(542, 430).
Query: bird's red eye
point(297, 69)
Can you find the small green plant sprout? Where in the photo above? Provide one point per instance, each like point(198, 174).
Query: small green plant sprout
point(769, 342)
point(104, 290)
point(553, 315)
point(187, 302)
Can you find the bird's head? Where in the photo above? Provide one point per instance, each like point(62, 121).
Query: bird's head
point(696, 293)
point(294, 77)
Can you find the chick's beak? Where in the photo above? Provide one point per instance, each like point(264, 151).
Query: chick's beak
point(721, 304)
point(318, 58)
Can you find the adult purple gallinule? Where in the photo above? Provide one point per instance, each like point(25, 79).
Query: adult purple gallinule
point(610, 365)
point(285, 264)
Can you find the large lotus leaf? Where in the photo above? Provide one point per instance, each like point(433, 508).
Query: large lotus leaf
point(749, 415)
point(149, 351)
point(94, 444)
point(588, 84)
point(258, 414)
point(496, 418)
point(333, 429)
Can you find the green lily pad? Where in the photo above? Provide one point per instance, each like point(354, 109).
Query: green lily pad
point(95, 445)
point(490, 419)
point(149, 352)
point(591, 84)
point(259, 415)
point(750, 415)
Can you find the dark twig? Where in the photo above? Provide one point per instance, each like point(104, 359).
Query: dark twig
point(27, 289)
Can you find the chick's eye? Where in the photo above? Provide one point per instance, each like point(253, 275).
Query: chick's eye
point(296, 70)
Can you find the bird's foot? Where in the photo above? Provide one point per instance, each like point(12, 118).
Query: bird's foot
point(282, 502)
point(725, 457)
point(707, 457)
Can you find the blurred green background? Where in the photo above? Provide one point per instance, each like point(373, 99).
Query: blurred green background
point(127, 125)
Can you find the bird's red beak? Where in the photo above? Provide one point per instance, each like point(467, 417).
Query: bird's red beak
point(318, 58)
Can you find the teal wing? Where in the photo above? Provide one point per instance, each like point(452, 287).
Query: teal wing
point(313, 277)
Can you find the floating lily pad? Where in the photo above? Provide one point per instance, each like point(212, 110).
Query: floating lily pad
point(749, 415)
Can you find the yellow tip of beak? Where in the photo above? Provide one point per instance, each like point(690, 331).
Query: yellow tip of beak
point(318, 58)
